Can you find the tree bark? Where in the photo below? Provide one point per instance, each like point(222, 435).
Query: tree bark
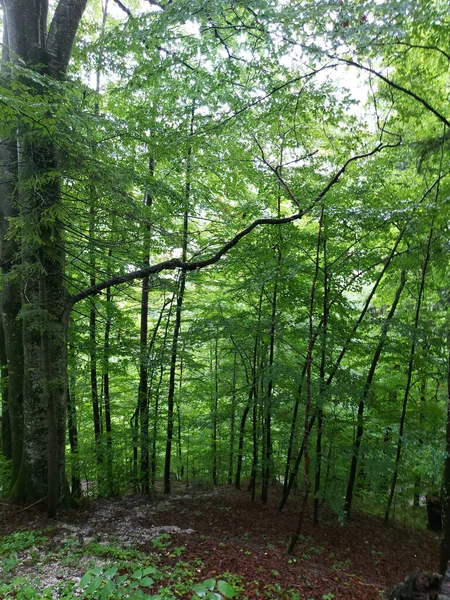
point(44, 299)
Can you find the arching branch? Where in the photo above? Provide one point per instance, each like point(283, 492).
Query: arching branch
point(394, 85)
point(175, 263)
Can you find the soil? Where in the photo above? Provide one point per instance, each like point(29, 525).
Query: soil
point(229, 533)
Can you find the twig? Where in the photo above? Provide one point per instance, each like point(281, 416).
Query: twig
point(31, 505)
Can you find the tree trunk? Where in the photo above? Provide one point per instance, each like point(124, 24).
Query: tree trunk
point(232, 420)
point(158, 386)
point(107, 396)
point(180, 297)
point(144, 476)
point(412, 353)
point(365, 394)
point(72, 429)
point(445, 539)
point(214, 413)
point(254, 383)
point(323, 358)
point(339, 359)
point(38, 474)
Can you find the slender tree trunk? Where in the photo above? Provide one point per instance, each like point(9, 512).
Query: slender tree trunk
point(339, 359)
point(365, 394)
point(176, 331)
point(323, 356)
point(107, 395)
point(232, 420)
point(72, 429)
point(267, 456)
point(306, 426)
point(156, 395)
point(293, 430)
point(445, 539)
point(180, 467)
point(255, 378)
point(144, 476)
point(412, 353)
point(214, 412)
point(93, 347)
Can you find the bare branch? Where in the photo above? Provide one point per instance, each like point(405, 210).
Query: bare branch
point(175, 263)
point(123, 7)
point(396, 86)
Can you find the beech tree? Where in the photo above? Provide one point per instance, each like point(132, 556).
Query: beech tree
point(35, 304)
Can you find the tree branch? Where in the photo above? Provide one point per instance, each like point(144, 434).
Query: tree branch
point(175, 263)
point(124, 8)
point(61, 35)
point(396, 86)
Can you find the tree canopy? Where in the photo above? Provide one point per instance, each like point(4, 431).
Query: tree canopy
point(224, 240)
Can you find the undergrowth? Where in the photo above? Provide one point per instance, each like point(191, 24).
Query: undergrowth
point(37, 565)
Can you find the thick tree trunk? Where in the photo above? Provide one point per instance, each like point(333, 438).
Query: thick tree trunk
point(38, 474)
point(6, 422)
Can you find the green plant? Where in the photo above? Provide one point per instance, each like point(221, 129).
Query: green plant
point(211, 589)
point(101, 584)
point(162, 541)
point(21, 540)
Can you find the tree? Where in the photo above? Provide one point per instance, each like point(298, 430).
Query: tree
point(36, 356)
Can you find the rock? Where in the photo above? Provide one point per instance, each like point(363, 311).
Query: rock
point(418, 586)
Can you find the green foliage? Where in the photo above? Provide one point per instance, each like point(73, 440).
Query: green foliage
point(226, 113)
point(212, 589)
point(103, 583)
point(127, 574)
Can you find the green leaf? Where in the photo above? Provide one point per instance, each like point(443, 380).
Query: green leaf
point(226, 589)
point(108, 590)
point(87, 577)
point(94, 585)
point(200, 590)
point(109, 573)
point(146, 582)
point(137, 574)
point(209, 583)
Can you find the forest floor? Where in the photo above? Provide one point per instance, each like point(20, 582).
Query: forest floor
point(215, 534)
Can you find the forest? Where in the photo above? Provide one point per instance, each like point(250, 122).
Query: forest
point(224, 256)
